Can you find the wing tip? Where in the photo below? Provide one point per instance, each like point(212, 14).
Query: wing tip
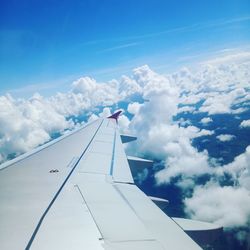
point(115, 115)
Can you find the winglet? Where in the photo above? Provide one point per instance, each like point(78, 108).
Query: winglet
point(115, 115)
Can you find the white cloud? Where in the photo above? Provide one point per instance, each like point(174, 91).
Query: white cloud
point(154, 116)
point(218, 86)
point(105, 112)
point(96, 93)
point(184, 123)
point(206, 120)
point(124, 124)
point(245, 124)
point(165, 140)
point(128, 86)
point(84, 85)
point(220, 103)
point(239, 110)
point(186, 184)
point(203, 132)
point(159, 136)
point(186, 109)
point(239, 169)
point(189, 99)
point(85, 95)
point(225, 137)
point(133, 108)
point(183, 160)
point(25, 124)
point(227, 206)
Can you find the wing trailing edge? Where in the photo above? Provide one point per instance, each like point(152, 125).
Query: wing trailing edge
point(138, 165)
point(127, 138)
point(161, 203)
point(201, 232)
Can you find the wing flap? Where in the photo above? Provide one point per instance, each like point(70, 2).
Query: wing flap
point(161, 203)
point(138, 245)
point(68, 225)
point(157, 223)
point(114, 217)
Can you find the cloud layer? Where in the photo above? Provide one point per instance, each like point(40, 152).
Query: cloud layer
point(161, 124)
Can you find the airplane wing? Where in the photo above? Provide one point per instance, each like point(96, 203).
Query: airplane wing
point(77, 192)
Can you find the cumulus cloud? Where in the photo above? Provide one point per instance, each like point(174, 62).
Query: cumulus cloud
point(133, 108)
point(218, 87)
point(245, 124)
point(239, 169)
point(206, 120)
point(183, 160)
point(85, 95)
point(227, 206)
point(221, 103)
point(128, 86)
point(96, 93)
point(184, 122)
point(154, 116)
point(225, 137)
point(26, 124)
point(203, 132)
point(159, 136)
point(124, 124)
point(186, 109)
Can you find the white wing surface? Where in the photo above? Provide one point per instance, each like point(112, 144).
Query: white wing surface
point(77, 192)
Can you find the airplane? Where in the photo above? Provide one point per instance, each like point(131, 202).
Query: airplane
point(78, 192)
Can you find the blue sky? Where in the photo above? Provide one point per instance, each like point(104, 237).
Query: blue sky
point(44, 45)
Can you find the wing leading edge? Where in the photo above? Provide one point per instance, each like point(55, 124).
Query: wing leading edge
point(90, 202)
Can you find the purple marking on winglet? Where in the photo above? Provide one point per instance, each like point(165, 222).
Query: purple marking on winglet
point(115, 115)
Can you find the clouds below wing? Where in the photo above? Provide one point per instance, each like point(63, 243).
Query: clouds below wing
point(160, 120)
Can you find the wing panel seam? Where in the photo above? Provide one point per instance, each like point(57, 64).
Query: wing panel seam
point(89, 210)
point(113, 156)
